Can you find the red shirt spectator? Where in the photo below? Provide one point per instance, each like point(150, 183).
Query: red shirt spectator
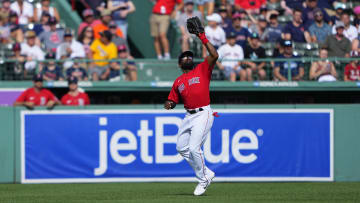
point(249, 4)
point(74, 97)
point(352, 72)
point(36, 96)
point(165, 7)
point(89, 20)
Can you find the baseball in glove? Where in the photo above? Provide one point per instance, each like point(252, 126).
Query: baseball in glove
point(194, 26)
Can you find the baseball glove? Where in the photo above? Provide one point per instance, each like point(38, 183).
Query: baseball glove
point(194, 26)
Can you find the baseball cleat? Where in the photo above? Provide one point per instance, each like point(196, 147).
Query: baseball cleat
point(201, 187)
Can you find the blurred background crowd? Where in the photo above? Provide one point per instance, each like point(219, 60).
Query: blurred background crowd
point(31, 31)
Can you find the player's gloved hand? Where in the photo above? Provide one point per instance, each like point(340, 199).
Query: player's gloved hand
point(194, 26)
point(169, 104)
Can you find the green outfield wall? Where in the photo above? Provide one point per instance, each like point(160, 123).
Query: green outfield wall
point(346, 136)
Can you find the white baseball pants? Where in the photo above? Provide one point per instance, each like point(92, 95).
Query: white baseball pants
point(193, 132)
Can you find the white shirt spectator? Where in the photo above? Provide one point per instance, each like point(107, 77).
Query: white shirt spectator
point(216, 36)
point(227, 52)
point(34, 52)
point(351, 33)
point(27, 11)
point(77, 51)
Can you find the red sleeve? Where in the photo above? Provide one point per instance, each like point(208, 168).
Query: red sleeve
point(178, 1)
point(51, 96)
point(22, 97)
point(174, 94)
point(87, 100)
point(63, 99)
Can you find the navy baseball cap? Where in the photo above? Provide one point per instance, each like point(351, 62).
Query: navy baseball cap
point(231, 35)
point(254, 35)
point(184, 54)
point(72, 80)
point(52, 21)
point(38, 78)
point(68, 32)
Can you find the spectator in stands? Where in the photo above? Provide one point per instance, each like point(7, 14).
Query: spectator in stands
point(226, 20)
point(4, 29)
point(319, 30)
point(89, 20)
point(86, 37)
point(32, 52)
point(75, 97)
point(282, 68)
point(352, 70)
point(159, 24)
point(273, 32)
point(24, 10)
point(357, 17)
point(189, 12)
point(338, 45)
point(52, 38)
point(308, 13)
point(102, 49)
point(116, 39)
point(17, 66)
point(104, 25)
point(127, 66)
point(120, 9)
point(37, 95)
point(69, 49)
point(350, 31)
point(214, 32)
point(77, 71)
point(323, 70)
point(254, 51)
point(251, 5)
point(5, 7)
point(258, 26)
point(339, 10)
point(242, 33)
point(43, 25)
point(209, 4)
point(51, 71)
point(230, 56)
point(295, 30)
point(16, 33)
point(45, 7)
point(290, 5)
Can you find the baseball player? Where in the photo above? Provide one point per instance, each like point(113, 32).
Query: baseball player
point(75, 97)
point(37, 95)
point(192, 87)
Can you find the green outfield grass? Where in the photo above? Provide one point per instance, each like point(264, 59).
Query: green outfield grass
point(181, 192)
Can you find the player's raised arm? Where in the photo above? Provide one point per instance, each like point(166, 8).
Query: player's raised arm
point(195, 27)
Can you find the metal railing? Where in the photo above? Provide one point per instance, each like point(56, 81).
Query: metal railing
point(165, 70)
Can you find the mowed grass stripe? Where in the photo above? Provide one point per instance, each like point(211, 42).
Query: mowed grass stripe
point(181, 192)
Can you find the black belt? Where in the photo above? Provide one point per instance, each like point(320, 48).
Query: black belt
point(195, 110)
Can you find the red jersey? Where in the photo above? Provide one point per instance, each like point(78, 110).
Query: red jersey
point(193, 87)
point(165, 7)
point(79, 100)
point(352, 73)
point(250, 4)
point(39, 98)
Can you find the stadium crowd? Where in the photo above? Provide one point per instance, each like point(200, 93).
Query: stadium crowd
point(239, 29)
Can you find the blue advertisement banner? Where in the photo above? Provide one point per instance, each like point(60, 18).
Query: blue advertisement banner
point(140, 145)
